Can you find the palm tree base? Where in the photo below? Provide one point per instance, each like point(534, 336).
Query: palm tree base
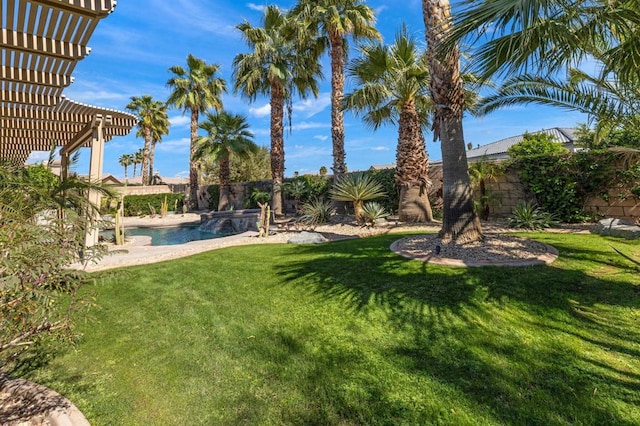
point(414, 205)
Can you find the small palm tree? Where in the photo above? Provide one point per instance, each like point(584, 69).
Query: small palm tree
point(125, 161)
point(226, 135)
point(282, 60)
point(356, 188)
point(196, 88)
point(393, 87)
point(334, 21)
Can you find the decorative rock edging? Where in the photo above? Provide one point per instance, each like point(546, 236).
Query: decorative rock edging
point(618, 228)
point(32, 400)
point(549, 256)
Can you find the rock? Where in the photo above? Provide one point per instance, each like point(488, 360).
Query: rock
point(618, 228)
point(307, 238)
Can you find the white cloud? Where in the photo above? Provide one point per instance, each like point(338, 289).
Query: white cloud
point(256, 7)
point(310, 107)
point(180, 121)
point(380, 148)
point(263, 111)
point(305, 125)
point(321, 137)
point(177, 146)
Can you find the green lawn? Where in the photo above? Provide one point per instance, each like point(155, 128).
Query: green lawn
point(348, 333)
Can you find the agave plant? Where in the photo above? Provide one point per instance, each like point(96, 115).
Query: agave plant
point(529, 216)
point(372, 212)
point(316, 212)
point(356, 188)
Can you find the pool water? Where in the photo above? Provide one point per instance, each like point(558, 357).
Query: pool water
point(168, 236)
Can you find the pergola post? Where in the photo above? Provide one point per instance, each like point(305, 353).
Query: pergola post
point(95, 176)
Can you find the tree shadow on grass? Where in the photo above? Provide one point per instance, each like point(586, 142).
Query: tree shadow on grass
point(535, 345)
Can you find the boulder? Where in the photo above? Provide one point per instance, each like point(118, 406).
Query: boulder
point(618, 228)
point(307, 238)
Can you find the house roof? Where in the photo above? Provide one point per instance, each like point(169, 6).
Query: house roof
point(41, 42)
point(565, 135)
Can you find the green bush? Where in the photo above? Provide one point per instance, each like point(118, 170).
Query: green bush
point(316, 212)
point(372, 211)
point(386, 178)
point(137, 205)
point(563, 184)
point(530, 216)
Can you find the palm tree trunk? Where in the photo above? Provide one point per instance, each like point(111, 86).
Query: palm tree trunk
point(193, 167)
point(145, 156)
point(337, 95)
point(412, 168)
point(460, 222)
point(152, 154)
point(225, 187)
point(277, 147)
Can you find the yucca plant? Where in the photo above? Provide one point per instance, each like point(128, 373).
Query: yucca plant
point(372, 212)
point(356, 188)
point(316, 212)
point(529, 216)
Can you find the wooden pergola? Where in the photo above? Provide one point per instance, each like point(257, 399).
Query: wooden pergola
point(41, 43)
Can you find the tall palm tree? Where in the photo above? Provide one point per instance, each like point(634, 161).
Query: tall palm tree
point(393, 87)
point(282, 61)
point(196, 88)
point(460, 222)
point(226, 135)
point(335, 20)
point(152, 122)
point(125, 161)
point(160, 128)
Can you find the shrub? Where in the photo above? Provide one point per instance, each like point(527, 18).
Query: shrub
point(136, 205)
point(373, 211)
point(39, 292)
point(386, 178)
point(316, 212)
point(356, 188)
point(529, 216)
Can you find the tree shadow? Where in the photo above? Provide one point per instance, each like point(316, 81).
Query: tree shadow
point(454, 316)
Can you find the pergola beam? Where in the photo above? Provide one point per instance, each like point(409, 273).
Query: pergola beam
point(34, 44)
point(40, 78)
point(91, 8)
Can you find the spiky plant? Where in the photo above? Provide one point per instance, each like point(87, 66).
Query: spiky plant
point(356, 188)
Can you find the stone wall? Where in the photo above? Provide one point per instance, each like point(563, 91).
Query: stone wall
point(142, 190)
point(506, 193)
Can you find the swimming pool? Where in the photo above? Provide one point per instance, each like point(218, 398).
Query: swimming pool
point(168, 236)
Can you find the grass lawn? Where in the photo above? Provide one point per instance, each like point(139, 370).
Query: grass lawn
point(348, 333)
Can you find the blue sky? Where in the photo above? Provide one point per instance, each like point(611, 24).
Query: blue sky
point(133, 48)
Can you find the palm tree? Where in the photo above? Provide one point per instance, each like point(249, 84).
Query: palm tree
point(152, 121)
point(541, 47)
point(138, 157)
point(460, 222)
point(545, 37)
point(196, 89)
point(226, 135)
point(393, 87)
point(282, 61)
point(125, 161)
point(335, 20)
point(160, 128)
